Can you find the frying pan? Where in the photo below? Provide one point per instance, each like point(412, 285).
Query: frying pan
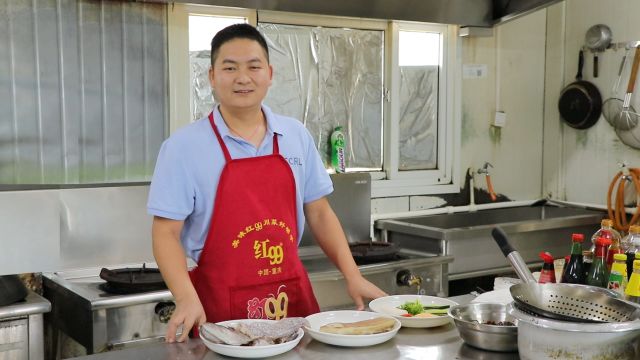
point(567, 302)
point(580, 103)
point(366, 252)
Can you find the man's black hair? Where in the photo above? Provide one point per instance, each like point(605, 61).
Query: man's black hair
point(237, 31)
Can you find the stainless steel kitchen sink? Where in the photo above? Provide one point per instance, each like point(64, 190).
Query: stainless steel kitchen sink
point(467, 236)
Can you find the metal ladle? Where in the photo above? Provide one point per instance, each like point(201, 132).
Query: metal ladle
point(597, 39)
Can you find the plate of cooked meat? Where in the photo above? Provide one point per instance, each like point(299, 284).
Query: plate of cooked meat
point(252, 338)
point(351, 328)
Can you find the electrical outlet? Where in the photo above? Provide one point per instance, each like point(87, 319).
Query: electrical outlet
point(500, 119)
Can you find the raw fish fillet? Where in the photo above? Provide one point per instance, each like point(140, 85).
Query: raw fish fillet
point(223, 335)
point(275, 331)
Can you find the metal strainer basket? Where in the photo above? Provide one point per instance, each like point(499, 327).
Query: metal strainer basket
point(568, 302)
point(571, 302)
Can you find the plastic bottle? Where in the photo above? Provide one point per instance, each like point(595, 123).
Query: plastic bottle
point(598, 273)
point(632, 244)
point(338, 150)
point(632, 292)
point(574, 271)
point(618, 275)
point(548, 273)
point(606, 231)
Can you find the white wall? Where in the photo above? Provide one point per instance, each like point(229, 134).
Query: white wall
point(580, 164)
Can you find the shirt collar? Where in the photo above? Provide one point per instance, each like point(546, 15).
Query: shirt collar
point(273, 126)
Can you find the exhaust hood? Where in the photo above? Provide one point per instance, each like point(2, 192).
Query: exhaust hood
point(483, 13)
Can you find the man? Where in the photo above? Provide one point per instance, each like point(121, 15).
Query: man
point(223, 192)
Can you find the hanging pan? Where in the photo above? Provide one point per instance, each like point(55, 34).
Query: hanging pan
point(567, 302)
point(580, 103)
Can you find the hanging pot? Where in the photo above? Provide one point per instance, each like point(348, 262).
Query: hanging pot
point(580, 103)
point(11, 290)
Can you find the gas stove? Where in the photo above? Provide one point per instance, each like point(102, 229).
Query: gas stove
point(84, 310)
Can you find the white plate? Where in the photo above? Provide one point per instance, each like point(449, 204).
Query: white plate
point(251, 352)
point(388, 305)
point(502, 296)
point(346, 316)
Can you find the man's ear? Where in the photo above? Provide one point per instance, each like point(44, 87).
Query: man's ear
point(211, 81)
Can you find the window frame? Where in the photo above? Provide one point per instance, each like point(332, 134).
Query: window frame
point(445, 178)
point(390, 181)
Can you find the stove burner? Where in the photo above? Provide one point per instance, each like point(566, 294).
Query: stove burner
point(131, 280)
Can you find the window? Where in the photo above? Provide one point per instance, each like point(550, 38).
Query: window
point(389, 84)
point(68, 74)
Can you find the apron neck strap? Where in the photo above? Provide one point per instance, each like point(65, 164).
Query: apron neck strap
point(227, 156)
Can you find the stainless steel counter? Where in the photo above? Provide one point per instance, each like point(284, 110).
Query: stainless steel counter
point(442, 343)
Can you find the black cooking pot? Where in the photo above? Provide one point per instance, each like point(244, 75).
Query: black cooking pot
point(580, 103)
point(11, 290)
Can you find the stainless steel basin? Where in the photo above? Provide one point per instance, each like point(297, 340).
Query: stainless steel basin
point(467, 236)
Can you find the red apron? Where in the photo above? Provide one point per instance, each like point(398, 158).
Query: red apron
point(249, 266)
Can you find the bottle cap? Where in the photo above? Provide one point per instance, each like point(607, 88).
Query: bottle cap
point(577, 237)
point(338, 128)
point(567, 258)
point(546, 257)
point(603, 241)
point(622, 257)
point(606, 222)
point(634, 229)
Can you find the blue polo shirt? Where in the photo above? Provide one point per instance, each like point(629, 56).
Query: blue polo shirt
point(190, 162)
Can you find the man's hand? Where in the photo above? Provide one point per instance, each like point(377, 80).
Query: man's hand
point(360, 288)
point(188, 313)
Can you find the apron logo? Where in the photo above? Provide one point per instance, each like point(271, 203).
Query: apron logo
point(272, 307)
point(262, 250)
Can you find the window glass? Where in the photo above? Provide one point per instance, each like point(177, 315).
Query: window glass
point(327, 77)
point(419, 56)
point(202, 28)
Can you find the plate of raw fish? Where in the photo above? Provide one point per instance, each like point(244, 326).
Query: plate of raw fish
point(253, 338)
point(351, 328)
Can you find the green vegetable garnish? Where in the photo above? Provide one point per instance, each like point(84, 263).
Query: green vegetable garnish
point(413, 308)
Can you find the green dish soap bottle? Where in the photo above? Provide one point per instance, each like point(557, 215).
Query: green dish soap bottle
point(337, 150)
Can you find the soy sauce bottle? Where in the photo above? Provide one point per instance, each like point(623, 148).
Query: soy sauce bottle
point(574, 271)
point(548, 273)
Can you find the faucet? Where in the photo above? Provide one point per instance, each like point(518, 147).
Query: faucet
point(485, 170)
point(407, 278)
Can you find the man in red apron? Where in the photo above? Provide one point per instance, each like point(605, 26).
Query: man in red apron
point(248, 266)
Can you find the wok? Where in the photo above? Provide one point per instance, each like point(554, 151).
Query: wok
point(11, 289)
point(567, 302)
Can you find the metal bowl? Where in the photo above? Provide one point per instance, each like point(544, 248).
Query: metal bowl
point(471, 321)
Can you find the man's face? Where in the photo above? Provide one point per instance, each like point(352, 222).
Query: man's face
point(241, 74)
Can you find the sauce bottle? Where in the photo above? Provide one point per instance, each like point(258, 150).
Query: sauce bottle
point(632, 292)
point(548, 273)
point(587, 261)
point(632, 242)
point(618, 275)
point(598, 272)
point(606, 231)
point(574, 272)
